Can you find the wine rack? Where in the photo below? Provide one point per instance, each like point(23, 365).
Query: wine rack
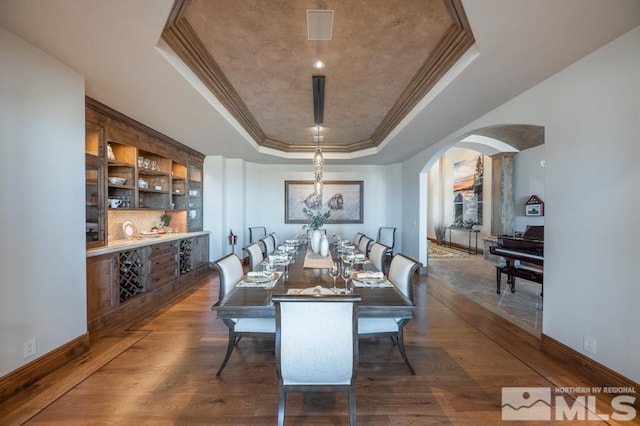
point(185, 256)
point(132, 274)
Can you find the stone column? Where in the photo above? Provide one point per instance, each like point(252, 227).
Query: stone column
point(502, 194)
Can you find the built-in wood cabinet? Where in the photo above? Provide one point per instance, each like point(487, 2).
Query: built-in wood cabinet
point(131, 166)
point(125, 285)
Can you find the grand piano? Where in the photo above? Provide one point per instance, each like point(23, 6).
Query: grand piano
point(521, 257)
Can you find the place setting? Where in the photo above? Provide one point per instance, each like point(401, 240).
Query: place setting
point(266, 278)
point(370, 279)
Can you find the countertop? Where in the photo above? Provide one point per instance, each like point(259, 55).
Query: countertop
point(119, 245)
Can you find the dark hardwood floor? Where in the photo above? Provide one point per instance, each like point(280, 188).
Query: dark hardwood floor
point(162, 372)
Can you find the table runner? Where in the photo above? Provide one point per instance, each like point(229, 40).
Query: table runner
point(314, 260)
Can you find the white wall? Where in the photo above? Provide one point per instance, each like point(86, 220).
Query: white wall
point(590, 112)
point(253, 195)
point(528, 178)
point(42, 261)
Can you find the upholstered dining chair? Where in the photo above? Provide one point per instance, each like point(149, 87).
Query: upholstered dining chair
point(256, 233)
point(231, 272)
point(254, 251)
point(316, 346)
point(356, 238)
point(276, 240)
point(377, 255)
point(268, 245)
point(363, 245)
point(401, 272)
point(387, 236)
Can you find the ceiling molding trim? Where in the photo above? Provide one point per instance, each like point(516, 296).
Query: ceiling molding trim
point(182, 39)
point(456, 41)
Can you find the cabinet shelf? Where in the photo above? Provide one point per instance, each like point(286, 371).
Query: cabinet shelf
point(149, 172)
point(116, 163)
point(111, 185)
point(153, 191)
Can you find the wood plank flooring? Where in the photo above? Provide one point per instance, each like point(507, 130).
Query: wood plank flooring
point(162, 372)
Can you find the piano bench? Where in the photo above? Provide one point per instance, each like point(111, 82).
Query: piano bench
point(512, 272)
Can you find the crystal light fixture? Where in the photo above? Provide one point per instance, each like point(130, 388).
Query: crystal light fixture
point(318, 162)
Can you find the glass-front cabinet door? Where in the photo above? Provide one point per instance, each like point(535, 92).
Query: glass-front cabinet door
point(194, 210)
point(95, 201)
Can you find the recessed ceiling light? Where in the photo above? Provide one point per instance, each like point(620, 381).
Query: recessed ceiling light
point(318, 64)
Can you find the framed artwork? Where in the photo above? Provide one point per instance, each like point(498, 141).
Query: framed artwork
point(343, 198)
point(468, 177)
point(534, 206)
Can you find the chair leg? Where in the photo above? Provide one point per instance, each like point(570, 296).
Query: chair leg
point(352, 406)
point(282, 401)
point(403, 352)
point(230, 345)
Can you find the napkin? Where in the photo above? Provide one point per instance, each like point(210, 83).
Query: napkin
point(359, 256)
point(369, 275)
point(255, 274)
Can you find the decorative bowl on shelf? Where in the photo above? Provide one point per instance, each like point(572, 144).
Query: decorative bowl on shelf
point(116, 180)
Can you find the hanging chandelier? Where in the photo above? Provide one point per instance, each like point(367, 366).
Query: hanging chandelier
point(318, 163)
point(318, 115)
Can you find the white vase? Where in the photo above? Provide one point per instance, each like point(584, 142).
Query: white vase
point(315, 241)
point(324, 246)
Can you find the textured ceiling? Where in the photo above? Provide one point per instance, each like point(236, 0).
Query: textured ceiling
point(382, 59)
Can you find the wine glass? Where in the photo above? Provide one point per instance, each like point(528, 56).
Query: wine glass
point(346, 275)
point(334, 272)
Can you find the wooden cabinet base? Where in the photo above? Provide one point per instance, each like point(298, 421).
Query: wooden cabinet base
point(143, 305)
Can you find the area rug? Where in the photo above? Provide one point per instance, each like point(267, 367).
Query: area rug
point(437, 252)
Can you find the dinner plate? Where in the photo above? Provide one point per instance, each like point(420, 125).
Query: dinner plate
point(317, 290)
point(260, 278)
point(127, 229)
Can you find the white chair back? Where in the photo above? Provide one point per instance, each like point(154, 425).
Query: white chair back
point(255, 256)
point(387, 236)
point(376, 255)
point(356, 239)
point(256, 233)
point(230, 270)
point(276, 240)
point(363, 245)
point(269, 245)
point(316, 339)
point(401, 273)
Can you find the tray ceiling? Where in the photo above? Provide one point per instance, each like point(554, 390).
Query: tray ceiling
point(254, 56)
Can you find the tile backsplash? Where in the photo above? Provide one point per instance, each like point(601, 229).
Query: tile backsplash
point(143, 220)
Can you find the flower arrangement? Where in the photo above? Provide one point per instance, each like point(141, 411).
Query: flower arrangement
point(317, 219)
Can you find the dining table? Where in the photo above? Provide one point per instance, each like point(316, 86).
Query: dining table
point(307, 272)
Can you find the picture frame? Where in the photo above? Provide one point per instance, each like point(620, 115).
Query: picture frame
point(343, 198)
point(534, 206)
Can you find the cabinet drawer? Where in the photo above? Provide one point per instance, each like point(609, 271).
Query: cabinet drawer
point(162, 277)
point(163, 260)
point(162, 249)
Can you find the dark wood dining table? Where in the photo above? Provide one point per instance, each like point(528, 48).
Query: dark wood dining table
point(255, 302)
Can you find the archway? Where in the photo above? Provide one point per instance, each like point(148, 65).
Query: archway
point(509, 149)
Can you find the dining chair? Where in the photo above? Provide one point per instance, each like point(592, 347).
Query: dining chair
point(401, 273)
point(387, 236)
point(377, 254)
point(230, 271)
point(268, 245)
point(254, 251)
point(276, 240)
point(256, 233)
point(356, 238)
point(363, 245)
point(316, 346)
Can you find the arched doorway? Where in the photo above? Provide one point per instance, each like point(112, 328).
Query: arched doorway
point(515, 154)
